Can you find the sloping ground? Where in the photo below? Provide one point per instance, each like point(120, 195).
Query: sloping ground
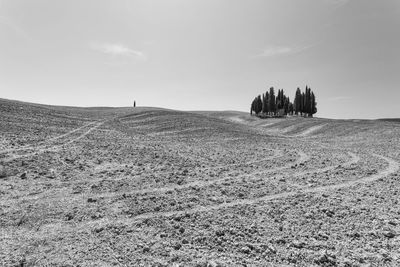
point(154, 187)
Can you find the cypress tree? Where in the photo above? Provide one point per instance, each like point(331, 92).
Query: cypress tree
point(308, 101)
point(253, 107)
point(305, 101)
point(286, 106)
point(268, 109)
point(278, 100)
point(313, 104)
point(272, 100)
point(297, 101)
point(291, 108)
point(258, 105)
point(282, 99)
point(264, 106)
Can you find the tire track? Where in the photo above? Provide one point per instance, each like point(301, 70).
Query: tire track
point(84, 134)
point(309, 131)
point(199, 184)
point(44, 143)
point(42, 149)
point(393, 166)
point(303, 158)
point(277, 154)
point(284, 132)
point(160, 189)
point(354, 160)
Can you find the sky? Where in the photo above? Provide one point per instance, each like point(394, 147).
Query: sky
point(202, 54)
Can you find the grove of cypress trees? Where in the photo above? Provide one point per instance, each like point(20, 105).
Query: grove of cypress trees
point(269, 104)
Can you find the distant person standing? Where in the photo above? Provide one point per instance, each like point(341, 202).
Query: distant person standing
point(134, 104)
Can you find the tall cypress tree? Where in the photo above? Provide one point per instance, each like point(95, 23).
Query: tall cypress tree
point(263, 103)
point(278, 100)
point(309, 108)
point(272, 100)
point(313, 104)
point(258, 105)
point(253, 106)
point(277, 103)
point(297, 101)
point(267, 100)
point(306, 101)
point(282, 99)
point(286, 106)
point(291, 108)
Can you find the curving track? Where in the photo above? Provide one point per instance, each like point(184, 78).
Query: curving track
point(47, 146)
point(47, 142)
point(253, 195)
point(393, 167)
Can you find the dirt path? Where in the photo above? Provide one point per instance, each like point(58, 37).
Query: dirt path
point(84, 134)
point(199, 184)
point(303, 158)
point(354, 160)
point(393, 166)
point(73, 131)
point(309, 131)
point(282, 132)
point(277, 153)
point(46, 142)
point(43, 148)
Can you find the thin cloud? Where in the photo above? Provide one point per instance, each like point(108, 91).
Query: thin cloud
point(117, 50)
point(272, 51)
point(275, 51)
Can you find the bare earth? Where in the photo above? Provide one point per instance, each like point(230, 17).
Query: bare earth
point(155, 187)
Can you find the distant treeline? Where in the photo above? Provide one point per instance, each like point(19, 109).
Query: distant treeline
point(280, 105)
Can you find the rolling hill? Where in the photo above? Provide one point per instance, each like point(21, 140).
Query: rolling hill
point(155, 187)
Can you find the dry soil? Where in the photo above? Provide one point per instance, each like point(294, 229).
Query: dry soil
point(155, 187)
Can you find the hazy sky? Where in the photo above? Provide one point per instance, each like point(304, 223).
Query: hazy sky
point(203, 54)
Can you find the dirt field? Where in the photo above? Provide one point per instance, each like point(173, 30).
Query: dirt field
point(154, 187)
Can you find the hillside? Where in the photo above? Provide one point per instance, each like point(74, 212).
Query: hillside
point(156, 187)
